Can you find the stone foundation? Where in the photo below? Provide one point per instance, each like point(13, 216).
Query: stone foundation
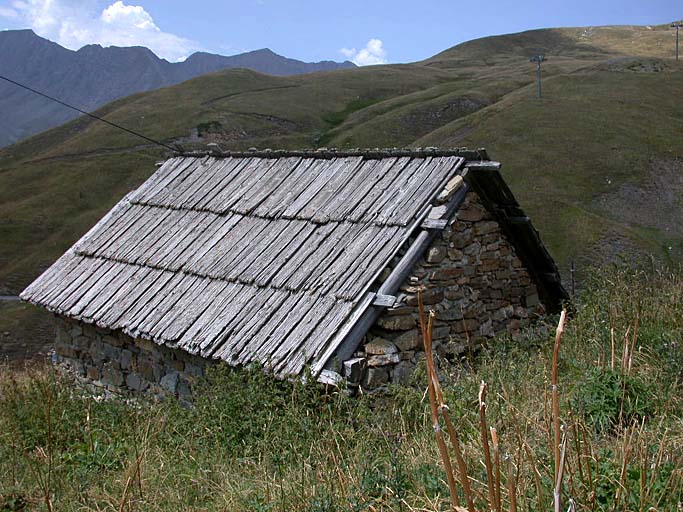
point(474, 282)
point(113, 361)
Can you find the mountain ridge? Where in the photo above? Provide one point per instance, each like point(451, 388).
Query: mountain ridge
point(93, 75)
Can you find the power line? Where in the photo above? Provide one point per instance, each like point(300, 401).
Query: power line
point(88, 114)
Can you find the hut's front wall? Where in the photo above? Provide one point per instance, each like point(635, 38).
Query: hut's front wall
point(114, 361)
point(474, 282)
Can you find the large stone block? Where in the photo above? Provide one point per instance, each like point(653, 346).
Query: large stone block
point(375, 377)
point(169, 382)
point(135, 382)
point(402, 372)
point(112, 340)
point(396, 323)
point(384, 360)
point(64, 350)
point(485, 227)
point(354, 369)
point(380, 346)
point(112, 376)
point(471, 213)
point(436, 254)
point(429, 296)
point(408, 340)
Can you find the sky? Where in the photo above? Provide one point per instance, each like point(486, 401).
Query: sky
point(366, 32)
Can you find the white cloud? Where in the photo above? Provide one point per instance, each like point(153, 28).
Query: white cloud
point(373, 53)
point(6, 12)
point(75, 23)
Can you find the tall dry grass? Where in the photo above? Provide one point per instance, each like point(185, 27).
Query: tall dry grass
point(251, 443)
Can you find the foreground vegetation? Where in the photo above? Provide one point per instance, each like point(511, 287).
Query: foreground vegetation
point(251, 443)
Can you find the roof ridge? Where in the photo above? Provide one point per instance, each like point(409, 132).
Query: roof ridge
point(328, 153)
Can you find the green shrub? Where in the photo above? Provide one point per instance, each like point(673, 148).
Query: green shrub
point(610, 399)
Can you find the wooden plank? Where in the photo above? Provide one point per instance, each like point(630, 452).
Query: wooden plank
point(155, 306)
point(427, 190)
point(133, 215)
point(362, 180)
point(210, 295)
point(274, 205)
point(205, 178)
point(216, 202)
point(325, 350)
point(71, 287)
point(292, 343)
point(339, 174)
point(268, 183)
point(264, 249)
point(300, 258)
point(362, 276)
point(284, 252)
point(252, 315)
point(92, 279)
point(369, 262)
point(380, 192)
point(113, 293)
point(323, 256)
point(103, 227)
point(177, 314)
point(325, 171)
point(166, 196)
point(239, 248)
point(39, 288)
point(120, 241)
point(148, 237)
point(295, 362)
point(484, 165)
point(415, 175)
point(128, 301)
point(147, 325)
point(136, 313)
point(190, 257)
point(256, 321)
point(217, 332)
point(277, 328)
point(251, 177)
point(222, 248)
point(99, 292)
point(199, 334)
point(163, 173)
point(187, 230)
point(223, 180)
point(343, 260)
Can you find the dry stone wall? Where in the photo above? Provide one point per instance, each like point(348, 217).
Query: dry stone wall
point(474, 282)
point(115, 362)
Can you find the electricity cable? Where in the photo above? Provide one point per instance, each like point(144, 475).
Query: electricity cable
point(89, 114)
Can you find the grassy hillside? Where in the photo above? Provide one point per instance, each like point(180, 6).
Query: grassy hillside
point(597, 163)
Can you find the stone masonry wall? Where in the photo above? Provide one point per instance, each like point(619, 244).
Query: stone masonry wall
point(475, 284)
point(113, 361)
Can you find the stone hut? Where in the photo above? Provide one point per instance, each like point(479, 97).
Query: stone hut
point(295, 259)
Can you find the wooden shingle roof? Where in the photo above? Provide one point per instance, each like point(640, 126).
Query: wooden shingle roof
point(248, 257)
